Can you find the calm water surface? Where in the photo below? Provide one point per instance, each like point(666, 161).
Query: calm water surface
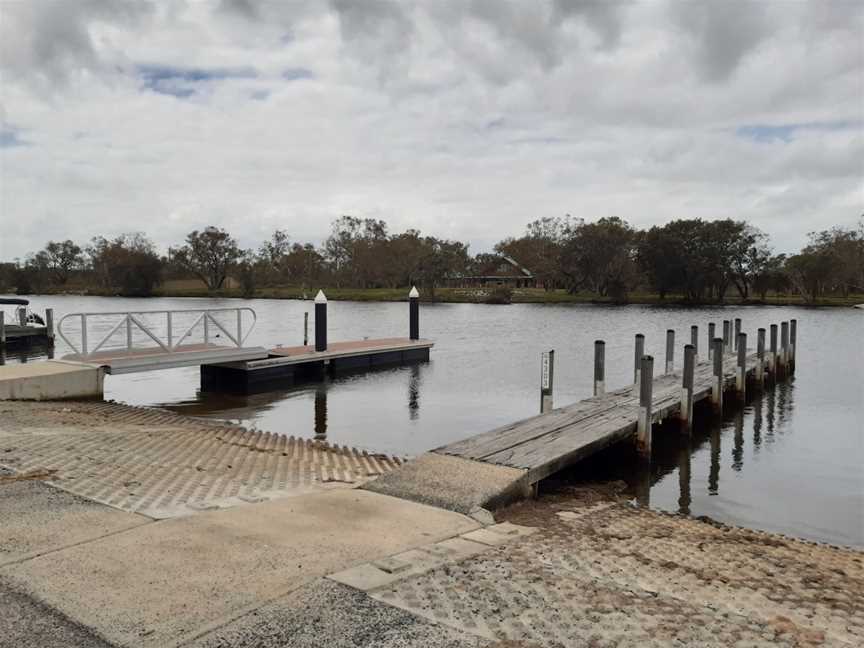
point(791, 461)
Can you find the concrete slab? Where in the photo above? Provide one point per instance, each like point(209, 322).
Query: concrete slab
point(37, 518)
point(324, 613)
point(164, 582)
point(51, 380)
point(27, 623)
point(453, 483)
point(499, 534)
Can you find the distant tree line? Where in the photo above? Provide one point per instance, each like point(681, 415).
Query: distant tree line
point(696, 260)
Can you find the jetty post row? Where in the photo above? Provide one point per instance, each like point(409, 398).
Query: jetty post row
point(544, 444)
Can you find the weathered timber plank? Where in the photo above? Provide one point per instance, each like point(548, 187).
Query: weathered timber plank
point(546, 443)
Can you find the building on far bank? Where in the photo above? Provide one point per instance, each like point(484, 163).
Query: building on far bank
point(495, 270)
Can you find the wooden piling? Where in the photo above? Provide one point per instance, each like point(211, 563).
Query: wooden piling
point(670, 351)
point(784, 347)
point(711, 336)
point(793, 340)
point(741, 369)
point(599, 367)
point(686, 411)
point(760, 358)
point(736, 332)
point(22, 316)
point(2, 328)
point(306, 328)
point(772, 356)
point(320, 321)
point(717, 383)
point(694, 341)
point(49, 323)
point(547, 377)
point(727, 327)
point(643, 426)
point(639, 351)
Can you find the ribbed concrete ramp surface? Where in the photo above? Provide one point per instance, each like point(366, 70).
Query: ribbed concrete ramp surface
point(610, 574)
point(162, 464)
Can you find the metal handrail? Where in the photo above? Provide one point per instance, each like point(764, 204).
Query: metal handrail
point(131, 319)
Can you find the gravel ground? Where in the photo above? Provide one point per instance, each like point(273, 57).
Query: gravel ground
point(26, 623)
point(328, 614)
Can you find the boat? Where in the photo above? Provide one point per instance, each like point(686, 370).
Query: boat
point(29, 318)
point(20, 325)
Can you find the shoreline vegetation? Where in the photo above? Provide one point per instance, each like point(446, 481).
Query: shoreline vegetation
point(556, 260)
point(193, 288)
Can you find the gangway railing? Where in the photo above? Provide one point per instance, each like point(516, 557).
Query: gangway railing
point(167, 339)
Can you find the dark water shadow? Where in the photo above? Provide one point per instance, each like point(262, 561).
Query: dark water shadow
point(674, 450)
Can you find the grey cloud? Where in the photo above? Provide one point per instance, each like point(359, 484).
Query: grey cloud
point(722, 33)
point(48, 42)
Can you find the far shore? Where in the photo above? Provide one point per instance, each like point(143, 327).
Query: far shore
point(189, 288)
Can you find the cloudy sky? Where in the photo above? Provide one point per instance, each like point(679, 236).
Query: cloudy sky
point(462, 119)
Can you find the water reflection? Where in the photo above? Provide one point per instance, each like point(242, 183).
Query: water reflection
point(757, 422)
point(738, 449)
point(26, 353)
point(714, 472)
point(414, 393)
point(321, 411)
point(684, 498)
point(692, 475)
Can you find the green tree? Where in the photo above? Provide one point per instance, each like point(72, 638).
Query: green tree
point(208, 255)
point(128, 264)
point(62, 258)
point(601, 257)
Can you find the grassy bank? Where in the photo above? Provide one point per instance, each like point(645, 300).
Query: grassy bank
point(192, 288)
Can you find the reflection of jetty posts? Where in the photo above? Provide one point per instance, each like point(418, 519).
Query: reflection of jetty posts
point(285, 366)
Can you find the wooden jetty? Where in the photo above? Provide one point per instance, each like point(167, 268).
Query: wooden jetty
point(544, 444)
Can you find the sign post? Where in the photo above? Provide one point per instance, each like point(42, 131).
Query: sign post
point(547, 377)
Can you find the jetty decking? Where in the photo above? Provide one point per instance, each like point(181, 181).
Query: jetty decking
point(544, 444)
point(131, 360)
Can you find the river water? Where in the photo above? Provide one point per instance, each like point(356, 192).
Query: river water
point(791, 461)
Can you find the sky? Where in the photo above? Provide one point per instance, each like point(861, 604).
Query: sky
point(464, 120)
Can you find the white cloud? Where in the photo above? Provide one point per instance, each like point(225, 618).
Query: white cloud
point(464, 120)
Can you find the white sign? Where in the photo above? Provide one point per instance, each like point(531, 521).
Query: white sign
point(544, 371)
